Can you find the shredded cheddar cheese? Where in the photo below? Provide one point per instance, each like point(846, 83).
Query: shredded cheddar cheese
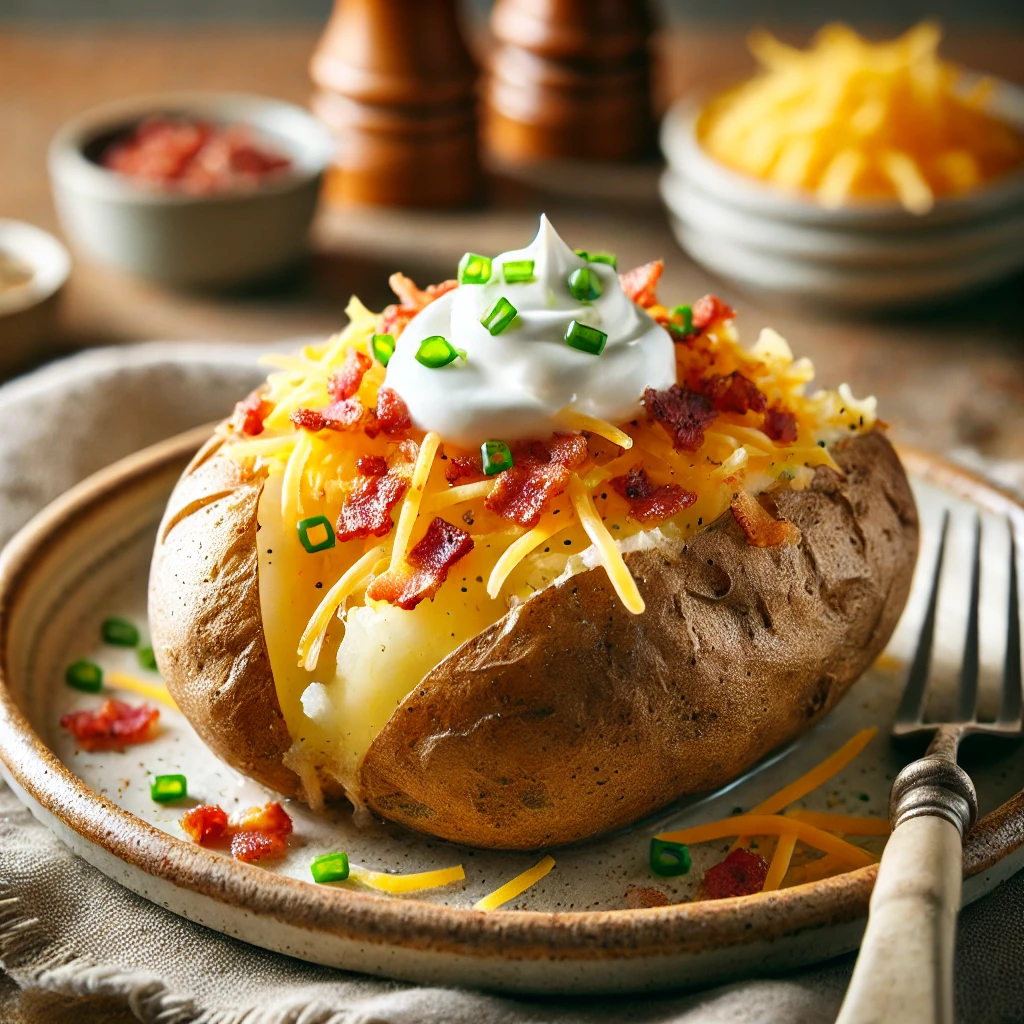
point(844, 824)
point(515, 886)
point(780, 862)
point(579, 422)
point(397, 885)
point(413, 498)
point(520, 548)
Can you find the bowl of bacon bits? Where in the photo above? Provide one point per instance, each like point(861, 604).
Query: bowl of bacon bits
point(191, 189)
point(857, 172)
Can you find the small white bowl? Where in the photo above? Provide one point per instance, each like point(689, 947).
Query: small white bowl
point(870, 255)
point(27, 312)
point(221, 239)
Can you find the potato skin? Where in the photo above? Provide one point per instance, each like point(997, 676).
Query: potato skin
point(205, 619)
point(570, 716)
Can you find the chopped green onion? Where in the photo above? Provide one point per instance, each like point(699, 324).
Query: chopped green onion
point(604, 257)
point(165, 788)
point(147, 659)
point(437, 351)
point(84, 675)
point(312, 523)
point(586, 339)
point(331, 867)
point(474, 269)
point(496, 457)
point(686, 314)
point(582, 253)
point(518, 271)
point(119, 632)
point(584, 285)
point(499, 316)
point(383, 346)
point(669, 859)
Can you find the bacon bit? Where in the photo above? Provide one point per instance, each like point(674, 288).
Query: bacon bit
point(742, 873)
point(648, 501)
point(270, 818)
point(761, 529)
point(459, 466)
point(372, 465)
point(641, 283)
point(113, 726)
point(708, 309)
point(411, 301)
point(344, 382)
point(367, 507)
point(683, 413)
point(639, 897)
point(780, 425)
point(392, 415)
point(428, 563)
point(342, 415)
point(251, 846)
point(206, 824)
point(539, 473)
point(734, 393)
point(250, 414)
point(260, 833)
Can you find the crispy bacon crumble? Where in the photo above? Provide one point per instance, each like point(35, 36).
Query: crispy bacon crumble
point(410, 301)
point(641, 283)
point(539, 473)
point(762, 531)
point(372, 465)
point(259, 833)
point(367, 507)
point(708, 309)
point(206, 824)
point(683, 413)
point(344, 383)
point(649, 502)
point(780, 425)
point(734, 393)
point(742, 873)
point(429, 561)
point(250, 414)
point(114, 725)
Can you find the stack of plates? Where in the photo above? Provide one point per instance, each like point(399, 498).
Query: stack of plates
point(868, 255)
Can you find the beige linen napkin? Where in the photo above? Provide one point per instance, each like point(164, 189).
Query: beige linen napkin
point(66, 929)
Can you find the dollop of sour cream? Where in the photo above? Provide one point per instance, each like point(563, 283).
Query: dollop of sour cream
point(511, 385)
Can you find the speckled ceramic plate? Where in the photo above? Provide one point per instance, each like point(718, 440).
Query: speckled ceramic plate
point(86, 557)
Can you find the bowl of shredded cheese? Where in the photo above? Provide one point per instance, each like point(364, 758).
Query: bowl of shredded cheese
point(865, 173)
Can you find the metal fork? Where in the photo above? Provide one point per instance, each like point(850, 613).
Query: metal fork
point(905, 968)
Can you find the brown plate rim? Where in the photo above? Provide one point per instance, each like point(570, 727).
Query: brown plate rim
point(415, 924)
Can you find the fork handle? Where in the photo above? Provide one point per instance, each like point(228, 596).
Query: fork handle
point(905, 968)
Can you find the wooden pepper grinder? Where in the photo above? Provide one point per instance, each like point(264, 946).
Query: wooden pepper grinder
point(396, 84)
point(569, 79)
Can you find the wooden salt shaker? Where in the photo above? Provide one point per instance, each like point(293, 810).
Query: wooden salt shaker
point(396, 84)
point(569, 79)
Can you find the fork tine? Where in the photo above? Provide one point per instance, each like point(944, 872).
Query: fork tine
point(911, 707)
point(1010, 710)
point(968, 704)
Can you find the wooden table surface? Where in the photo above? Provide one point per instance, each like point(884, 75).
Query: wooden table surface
point(949, 377)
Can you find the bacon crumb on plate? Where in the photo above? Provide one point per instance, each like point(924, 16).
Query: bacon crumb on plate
point(205, 824)
point(742, 873)
point(259, 833)
point(641, 897)
point(112, 726)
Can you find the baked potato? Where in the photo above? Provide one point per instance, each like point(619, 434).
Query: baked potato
point(592, 626)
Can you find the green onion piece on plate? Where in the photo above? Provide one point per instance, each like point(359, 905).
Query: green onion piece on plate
point(147, 659)
point(604, 257)
point(669, 859)
point(437, 351)
point(474, 269)
point(331, 867)
point(84, 675)
point(586, 339)
point(518, 271)
point(119, 632)
point(685, 313)
point(584, 285)
point(499, 316)
point(165, 788)
point(309, 528)
point(383, 347)
point(496, 457)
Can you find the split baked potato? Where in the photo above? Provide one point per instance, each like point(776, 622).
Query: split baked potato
point(543, 706)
